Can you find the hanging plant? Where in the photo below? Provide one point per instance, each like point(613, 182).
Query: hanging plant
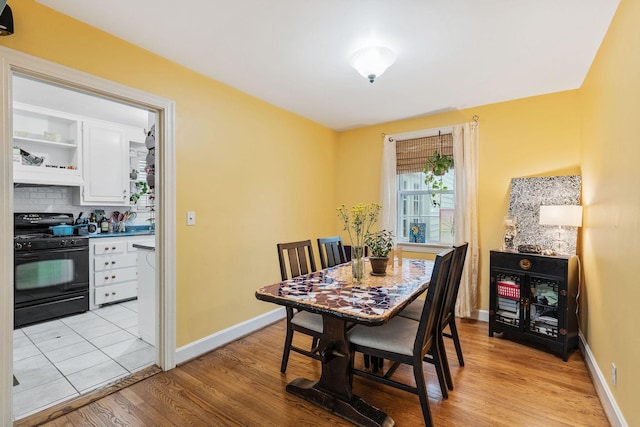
point(438, 164)
point(435, 168)
point(141, 189)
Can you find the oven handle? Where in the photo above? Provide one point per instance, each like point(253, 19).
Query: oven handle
point(34, 254)
point(61, 300)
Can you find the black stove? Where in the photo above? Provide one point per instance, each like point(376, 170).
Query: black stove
point(51, 273)
point(31, 232)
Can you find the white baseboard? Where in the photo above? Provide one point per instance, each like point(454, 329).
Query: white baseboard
point(206, 344)
point(602, 387)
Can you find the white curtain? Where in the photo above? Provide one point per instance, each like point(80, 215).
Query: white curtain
point(465, 154)
point(388, 196)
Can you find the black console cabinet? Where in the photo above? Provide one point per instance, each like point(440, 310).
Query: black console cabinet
point(533, 300)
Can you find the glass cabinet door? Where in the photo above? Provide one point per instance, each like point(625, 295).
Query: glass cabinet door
point(543, 306)
point(508, 288)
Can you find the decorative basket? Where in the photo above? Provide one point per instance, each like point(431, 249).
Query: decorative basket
point(509, 290)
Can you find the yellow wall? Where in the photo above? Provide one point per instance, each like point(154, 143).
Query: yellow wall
point(610, 99)
point(516, 139)
point(255, 174)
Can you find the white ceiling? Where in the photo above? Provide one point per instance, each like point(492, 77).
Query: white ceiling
point(32, 91)
point(452, 54)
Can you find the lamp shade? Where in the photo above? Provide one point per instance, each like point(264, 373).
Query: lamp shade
point(372, 61)
point(6, 21)
point(562, 215)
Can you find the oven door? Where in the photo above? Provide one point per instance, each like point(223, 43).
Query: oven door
point(50, 283)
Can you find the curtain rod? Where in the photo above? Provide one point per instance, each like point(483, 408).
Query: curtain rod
point(475, 119)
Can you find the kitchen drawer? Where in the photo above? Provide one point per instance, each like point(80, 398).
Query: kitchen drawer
point(113, 293)
point(107, 246)
point(110, 277)
point(106, 262)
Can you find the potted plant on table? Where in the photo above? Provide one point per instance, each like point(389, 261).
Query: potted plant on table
point(380, 244)
point(357, 223)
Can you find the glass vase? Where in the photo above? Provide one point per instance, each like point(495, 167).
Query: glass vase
point(357, 264)
point(510, 232)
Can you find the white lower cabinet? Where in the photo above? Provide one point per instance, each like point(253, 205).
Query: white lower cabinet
point(115, 275)
point(113, 269)
point(113, 293)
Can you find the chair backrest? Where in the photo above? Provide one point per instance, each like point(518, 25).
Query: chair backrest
point(331, 251)
point(433, 304)
point(299, 256)
point(347, 251)
point(455, 275)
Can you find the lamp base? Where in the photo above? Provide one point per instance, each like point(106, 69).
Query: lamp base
point(559, 245)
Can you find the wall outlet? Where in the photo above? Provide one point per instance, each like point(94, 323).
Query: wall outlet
point(191, 218)
point(614, 374)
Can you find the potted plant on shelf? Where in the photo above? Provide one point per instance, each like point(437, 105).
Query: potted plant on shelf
point(434, 169)
point(380, 244)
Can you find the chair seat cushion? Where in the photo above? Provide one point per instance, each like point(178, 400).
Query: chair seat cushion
point(312, 321)
point(413, 310)
point(397, 336)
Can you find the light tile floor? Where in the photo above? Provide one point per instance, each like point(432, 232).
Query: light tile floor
point(65, 358)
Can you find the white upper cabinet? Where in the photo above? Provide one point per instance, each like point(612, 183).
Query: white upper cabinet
point(105, 164)
point(47, 146)
point(57, 148)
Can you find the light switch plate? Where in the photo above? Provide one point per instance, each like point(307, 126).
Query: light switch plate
point(191, 218)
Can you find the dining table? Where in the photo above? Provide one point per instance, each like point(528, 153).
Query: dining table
point(332, 293)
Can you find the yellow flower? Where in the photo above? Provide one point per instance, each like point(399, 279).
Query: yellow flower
point(358, 222)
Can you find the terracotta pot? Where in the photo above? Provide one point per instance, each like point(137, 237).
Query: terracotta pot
point(379, 265)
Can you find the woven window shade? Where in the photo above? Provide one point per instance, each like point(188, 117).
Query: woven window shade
point(412, 154)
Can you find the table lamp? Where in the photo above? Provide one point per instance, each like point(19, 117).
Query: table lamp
point(562, 216)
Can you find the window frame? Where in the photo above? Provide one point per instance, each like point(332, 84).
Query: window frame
point(411, 246)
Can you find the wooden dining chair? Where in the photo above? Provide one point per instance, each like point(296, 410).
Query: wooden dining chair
point(347, 251)
point(414, 310)
point(296, 259)
point(331, 251)
point(405, 341)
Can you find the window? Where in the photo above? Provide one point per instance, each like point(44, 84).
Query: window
point(138, 159)
point(425, 211)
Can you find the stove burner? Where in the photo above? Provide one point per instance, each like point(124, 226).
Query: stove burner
point(34, 236)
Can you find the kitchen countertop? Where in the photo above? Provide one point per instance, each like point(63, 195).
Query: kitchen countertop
point(123, 234)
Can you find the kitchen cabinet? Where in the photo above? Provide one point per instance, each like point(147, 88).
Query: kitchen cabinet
point(532, 299)
point(113, 264)
point(53, 139)
point(105, 164)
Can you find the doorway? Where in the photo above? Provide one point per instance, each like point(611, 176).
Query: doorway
point(15, 63)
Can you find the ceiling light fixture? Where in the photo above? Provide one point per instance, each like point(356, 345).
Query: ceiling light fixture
point(372, 61)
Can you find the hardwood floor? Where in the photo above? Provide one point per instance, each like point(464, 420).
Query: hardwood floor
point(501, 384)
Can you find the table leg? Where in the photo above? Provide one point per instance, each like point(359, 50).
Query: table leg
point(333, 390)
